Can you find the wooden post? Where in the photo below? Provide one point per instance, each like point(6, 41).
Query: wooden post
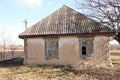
point(25, 21)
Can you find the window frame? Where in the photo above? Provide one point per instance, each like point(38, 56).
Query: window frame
point(47, 56)
point(82, 54)
point(89, 47)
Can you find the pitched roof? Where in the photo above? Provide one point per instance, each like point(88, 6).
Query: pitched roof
point(65, 21)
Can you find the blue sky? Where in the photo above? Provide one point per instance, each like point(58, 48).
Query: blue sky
point(14, 12)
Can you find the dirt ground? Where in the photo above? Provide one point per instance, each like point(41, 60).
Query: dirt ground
point(37, 72)
point(102, 74)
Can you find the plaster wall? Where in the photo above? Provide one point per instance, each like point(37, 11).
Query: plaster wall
point(69, 52)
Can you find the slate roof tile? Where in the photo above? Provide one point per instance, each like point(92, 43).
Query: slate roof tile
point(65, 21)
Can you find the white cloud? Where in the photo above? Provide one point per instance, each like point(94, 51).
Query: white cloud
point(30, 3)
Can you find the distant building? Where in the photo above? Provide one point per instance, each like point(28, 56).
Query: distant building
point(67, 37)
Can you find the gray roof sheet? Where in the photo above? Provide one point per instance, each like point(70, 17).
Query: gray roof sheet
point(65, 21)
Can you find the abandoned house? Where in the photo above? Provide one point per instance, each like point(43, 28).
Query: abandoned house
point(67, 37)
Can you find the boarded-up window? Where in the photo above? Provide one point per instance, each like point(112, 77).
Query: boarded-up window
point(89, 47)
point(51, 48)
point(86, 47)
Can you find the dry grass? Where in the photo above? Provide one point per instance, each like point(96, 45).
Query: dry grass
point(35, 72)
point(115, 58)
point(38, 73)
point(115, 51)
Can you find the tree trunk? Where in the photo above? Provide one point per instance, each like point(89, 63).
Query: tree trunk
point(118, 37)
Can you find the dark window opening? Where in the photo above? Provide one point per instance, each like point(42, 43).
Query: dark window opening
point(83, 46)
point(83, 52)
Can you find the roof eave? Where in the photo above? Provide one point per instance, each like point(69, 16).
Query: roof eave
point(78, 34)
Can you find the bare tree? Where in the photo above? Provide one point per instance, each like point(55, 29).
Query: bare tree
point(4, 44)
point(4, 47)
point(13, 48)
point(106, 12)
point(0, 46)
